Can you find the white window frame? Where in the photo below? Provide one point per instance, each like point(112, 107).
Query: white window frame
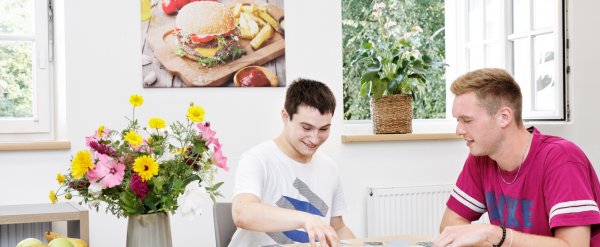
point(457, 48)
point(40, 126)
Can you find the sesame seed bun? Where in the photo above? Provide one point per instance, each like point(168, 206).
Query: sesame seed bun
point(205, 18)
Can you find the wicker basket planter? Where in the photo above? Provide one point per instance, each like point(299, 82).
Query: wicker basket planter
point(392, 114)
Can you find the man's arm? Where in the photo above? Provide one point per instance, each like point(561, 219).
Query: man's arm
point(250, 214)
point(451, 218)
point(457, 231)
point(340, 228)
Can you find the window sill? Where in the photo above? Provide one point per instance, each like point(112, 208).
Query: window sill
point(35, 145)
point(399, 137)
point(436, 129)
point(431, 129)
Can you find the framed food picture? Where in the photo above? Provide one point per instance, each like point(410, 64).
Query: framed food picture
point(229, 43)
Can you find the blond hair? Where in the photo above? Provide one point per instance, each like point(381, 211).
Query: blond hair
point(494, 88)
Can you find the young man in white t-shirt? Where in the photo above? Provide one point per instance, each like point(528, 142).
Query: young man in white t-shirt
point(285, 191)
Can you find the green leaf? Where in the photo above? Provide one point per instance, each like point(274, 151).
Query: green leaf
point(365, 88)
point(216, 186)
point(192, 178)
point(395, 82)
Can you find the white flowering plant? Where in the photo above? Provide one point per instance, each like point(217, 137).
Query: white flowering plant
point(393, 63)
point(142, 170)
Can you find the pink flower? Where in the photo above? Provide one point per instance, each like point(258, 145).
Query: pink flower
point(110, 171)
point(88, 141)
point(217, 144)
point(377, 14)
point(206, 132)
point(115, 174)
point(97, 172)
point(218, 159)
point(139, 187)
point(142, 148)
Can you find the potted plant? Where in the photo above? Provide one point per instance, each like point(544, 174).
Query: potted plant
point(394, 69)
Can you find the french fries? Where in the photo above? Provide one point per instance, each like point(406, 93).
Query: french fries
point(248, 26)
point(268, 18)
point(255, 23)
point(237, 8)
point(259, 21)
point(248, 8)
point(265, 33)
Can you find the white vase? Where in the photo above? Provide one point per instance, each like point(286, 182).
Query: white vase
point(149, 230)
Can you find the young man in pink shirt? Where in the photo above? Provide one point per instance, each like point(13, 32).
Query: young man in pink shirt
point(538, 190)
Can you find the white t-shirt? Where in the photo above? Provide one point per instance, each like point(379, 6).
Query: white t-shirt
point(275, 178)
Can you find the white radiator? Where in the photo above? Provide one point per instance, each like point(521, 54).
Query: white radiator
point(406, 210)
point(12, 234)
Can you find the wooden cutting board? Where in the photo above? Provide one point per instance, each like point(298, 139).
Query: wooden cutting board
point(163, 42)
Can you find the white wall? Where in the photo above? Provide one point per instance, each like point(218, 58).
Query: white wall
point(101, 67)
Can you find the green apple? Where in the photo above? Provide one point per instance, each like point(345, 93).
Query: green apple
point(29, 242)
point(60, 242)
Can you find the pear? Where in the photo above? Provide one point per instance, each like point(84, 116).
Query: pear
point(52, 235)
point(30, 242)
point(60, 242)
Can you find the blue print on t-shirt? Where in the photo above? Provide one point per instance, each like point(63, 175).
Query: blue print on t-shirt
point(511, 212)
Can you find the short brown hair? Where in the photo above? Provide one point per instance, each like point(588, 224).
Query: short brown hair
point(494, 88)
point(310, 93)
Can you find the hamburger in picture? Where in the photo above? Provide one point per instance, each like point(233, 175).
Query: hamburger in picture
point(206, 33)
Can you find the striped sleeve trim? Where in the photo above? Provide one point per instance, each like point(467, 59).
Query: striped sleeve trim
point(573, 207)
point(467, 200)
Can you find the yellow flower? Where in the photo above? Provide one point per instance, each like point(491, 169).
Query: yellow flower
point(52, 197)
point(178, 151)
point(195, 113)
point(156, 123)
point(81, 164)
point(60, 178)
point(100, 131)
point(136, 100)
point(146, 167)
point(133, 138)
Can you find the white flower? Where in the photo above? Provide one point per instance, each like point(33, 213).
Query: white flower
point(416, 53)
point(193, 200)
point(416, 29)
point(95, 189)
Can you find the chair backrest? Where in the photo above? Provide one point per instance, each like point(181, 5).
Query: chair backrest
point(224, 226)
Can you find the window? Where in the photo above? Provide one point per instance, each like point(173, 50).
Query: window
point(26, 98)
point(525, 37)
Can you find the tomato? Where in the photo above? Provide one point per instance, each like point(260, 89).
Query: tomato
point(181, 3)
point(169, 7)
point(201, 39)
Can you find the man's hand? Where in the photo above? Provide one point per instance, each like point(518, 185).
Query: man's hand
point(487, 235)
point(466, 235)
point(317, 229)
point(250, 214)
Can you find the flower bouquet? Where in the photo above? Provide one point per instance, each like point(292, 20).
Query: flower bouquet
point(144, 170)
